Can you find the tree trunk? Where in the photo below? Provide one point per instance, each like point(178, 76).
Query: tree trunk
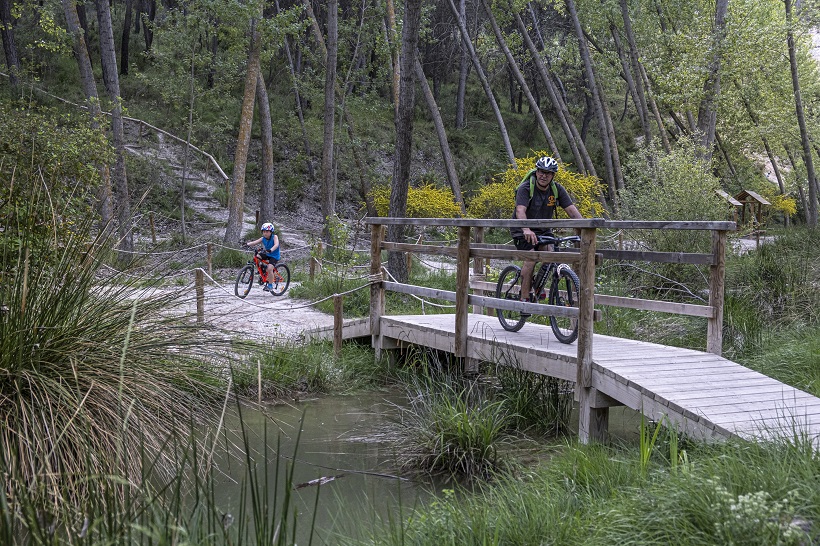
point(631, 84)
point(707, 112)
point(236, 210)
point(610, 131)
point(655, 111)
point(126, 37)
point(634, 61)
point(149, 13)
point(105, 206)
point(328, 193)
point(299, 113)
point(596, 97)
point(266, 194)
point(404, 133)
point(394, 53)
point(464, 67)
point(446, 155)
point(9, 45)
point(811, 212)
point(122, 203)
point(465, 39)
point(522, 83)
point(576, 144)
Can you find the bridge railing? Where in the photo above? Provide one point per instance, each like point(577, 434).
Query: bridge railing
point(470, 246)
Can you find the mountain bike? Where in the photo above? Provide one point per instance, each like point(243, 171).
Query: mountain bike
point(558, 278)
point(280, 277)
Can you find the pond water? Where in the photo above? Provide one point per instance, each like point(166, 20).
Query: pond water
point(342, 438)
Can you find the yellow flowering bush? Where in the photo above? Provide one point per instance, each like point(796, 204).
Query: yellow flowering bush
point(497, 200)
point(784, 204)
point(426, 201)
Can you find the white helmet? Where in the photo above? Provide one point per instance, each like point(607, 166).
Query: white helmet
point(547, 163)
point(267, 226)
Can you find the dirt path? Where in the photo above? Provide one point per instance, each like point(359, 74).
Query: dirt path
point(261, 315)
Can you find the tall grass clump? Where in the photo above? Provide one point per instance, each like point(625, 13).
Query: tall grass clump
point(452, 426)
point(536, 402)
point(92, 368)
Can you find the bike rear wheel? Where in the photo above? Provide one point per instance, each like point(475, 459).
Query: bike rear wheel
point(565, 292)
point(280, 279)
point(509, 288)
point(244, 281)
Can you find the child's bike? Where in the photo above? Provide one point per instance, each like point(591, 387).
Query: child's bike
point(559, 279)
point(279, 279)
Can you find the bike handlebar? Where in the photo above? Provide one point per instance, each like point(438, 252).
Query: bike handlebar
point(552, 240)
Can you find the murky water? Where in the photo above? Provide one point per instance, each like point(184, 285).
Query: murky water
point(341, 440)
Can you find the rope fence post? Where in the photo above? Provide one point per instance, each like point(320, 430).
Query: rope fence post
point(153, 229)
point(376, 288)
point(717, 273)
point(338, 307)
point(209, 260)
point(200, 295)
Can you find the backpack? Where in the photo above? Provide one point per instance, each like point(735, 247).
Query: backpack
point(531, 177)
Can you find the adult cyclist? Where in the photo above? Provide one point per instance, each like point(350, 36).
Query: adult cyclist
point(536, 198)
point(270, 250)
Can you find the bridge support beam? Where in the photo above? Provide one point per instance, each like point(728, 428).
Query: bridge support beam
point(377, 288)
point(592, 421)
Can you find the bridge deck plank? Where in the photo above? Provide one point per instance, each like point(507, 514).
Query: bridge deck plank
point(705, 395)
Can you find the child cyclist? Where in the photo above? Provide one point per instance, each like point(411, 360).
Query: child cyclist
point(270, 250)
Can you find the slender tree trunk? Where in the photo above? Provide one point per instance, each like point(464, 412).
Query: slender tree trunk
point(522, 82)
point(9, 45)
point(726, 156)
point(126, 37)
point(464, 67)
point(632, 85)
point(394, 52)
point(707, 112)
point(404, 133)
point(596, 97)
point(182, 192)
point(105, 204)
point(149, 13)
point(616, 158)
point(576, 144)
point(299, 113)
point(266, 194)
point(236, 210)
point(655, 111)
point(328, 194)
point(634, 61)
point(465, 39)
point(446, 155)
point(811, 212)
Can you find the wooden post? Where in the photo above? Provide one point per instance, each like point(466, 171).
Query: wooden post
point(200, 295)
point(337, 325)
point(153, 229)
point(478, 267)
point(462, 293)
point(209, 260)
point(376, 289)
point(319, 254)
point(717, 272)
point(312, 268)
point(592, 422)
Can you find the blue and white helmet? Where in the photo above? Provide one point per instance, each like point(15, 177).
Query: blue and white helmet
point(267, 226)
point(547, 163)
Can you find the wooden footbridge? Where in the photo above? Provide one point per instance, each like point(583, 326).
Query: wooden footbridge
point(703, 394)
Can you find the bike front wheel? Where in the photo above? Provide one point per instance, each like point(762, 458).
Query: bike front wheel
point(244, 281)
point(280, 279)
point(509, 288)
point(565, 292)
